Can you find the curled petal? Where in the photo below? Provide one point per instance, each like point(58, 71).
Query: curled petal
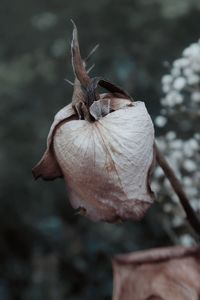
point(104, 106)
point(48, 167)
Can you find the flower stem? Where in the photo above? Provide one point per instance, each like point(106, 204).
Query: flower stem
point(190, 213)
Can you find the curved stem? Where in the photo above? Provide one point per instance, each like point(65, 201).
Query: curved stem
point(190, 213)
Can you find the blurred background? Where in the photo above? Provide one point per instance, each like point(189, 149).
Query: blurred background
point(46, 251)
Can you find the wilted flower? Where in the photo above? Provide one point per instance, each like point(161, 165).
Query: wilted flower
point(103, 146)
point(166, 273)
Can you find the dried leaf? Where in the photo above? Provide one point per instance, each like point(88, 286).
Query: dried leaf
point(171, 273)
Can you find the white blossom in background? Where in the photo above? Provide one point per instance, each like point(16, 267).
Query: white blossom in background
point(179, 118)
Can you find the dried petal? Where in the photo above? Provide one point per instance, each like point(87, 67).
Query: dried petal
point(166, 273)
point(104, 106)
point(106, 163)
point(48, 168)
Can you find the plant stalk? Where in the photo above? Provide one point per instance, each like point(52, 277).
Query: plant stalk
point(176, 184)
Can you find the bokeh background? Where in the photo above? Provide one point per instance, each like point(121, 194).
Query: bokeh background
point(46, 250)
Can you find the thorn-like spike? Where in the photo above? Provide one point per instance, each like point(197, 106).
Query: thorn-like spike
point(69, 81)
point(91, 52)
point(90, 69)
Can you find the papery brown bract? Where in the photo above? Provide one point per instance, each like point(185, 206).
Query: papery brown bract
point(171, 273)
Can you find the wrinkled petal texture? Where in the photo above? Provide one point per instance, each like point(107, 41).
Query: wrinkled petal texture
point(106, 163)
point(171, 273)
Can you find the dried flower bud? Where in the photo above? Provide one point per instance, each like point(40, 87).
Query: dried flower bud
point(103, 146)
point(158, 274)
